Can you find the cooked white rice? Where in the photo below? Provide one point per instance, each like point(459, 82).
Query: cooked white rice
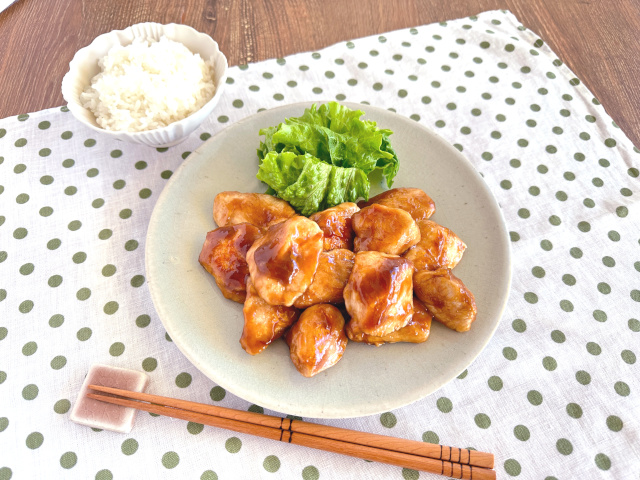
point(148, 85)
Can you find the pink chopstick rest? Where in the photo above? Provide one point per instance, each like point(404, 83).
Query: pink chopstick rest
point(96, 414)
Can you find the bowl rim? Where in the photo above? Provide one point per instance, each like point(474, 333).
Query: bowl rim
point(75, 107)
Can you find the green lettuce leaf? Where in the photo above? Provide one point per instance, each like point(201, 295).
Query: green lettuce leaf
point(336, 136)
point(309, 184)
point(267, 146)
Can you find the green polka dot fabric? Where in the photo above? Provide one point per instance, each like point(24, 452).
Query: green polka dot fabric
point(554, 395)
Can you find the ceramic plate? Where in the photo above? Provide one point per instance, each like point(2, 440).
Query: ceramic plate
point(368, 380)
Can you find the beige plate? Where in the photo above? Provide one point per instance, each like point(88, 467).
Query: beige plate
point(206, 327)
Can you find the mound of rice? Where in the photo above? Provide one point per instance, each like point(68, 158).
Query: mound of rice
point(148, 85)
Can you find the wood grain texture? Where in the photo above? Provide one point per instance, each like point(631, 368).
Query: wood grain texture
point(235, 421)
point(412, 447)
point(597, 39)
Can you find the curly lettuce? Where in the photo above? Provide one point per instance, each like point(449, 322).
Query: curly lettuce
point(309, 184)
point(324, 157)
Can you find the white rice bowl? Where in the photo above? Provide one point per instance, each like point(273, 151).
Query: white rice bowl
point(147, 85)
point(155, 119)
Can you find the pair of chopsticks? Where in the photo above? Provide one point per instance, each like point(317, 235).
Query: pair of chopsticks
point(449, 461)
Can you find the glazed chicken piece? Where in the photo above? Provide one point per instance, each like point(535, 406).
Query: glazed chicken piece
point(412, 200)
point(258, 209)
point(317, 340)
point(335, 223)
point(444, 294)
point(224, 255)
point(330, 279)
point(384, 229)
point(416, 331)
point(263, 323)
point(379, 294)
point(438, 247)
point(283, 262)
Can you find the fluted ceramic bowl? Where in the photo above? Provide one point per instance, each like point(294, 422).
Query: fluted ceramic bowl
point(84, 67)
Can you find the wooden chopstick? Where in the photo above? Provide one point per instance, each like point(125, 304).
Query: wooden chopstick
point(449, 461)
point(439, 452)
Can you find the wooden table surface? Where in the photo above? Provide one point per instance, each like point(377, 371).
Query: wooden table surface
point(597, 39)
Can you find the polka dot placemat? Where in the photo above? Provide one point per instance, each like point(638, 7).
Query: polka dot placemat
point(555, 393)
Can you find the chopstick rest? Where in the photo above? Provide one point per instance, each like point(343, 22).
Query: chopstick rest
point(449, 461)
point(96, 414)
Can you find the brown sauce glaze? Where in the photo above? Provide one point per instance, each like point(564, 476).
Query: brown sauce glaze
point(263, 323)
point(379, 294)
point(382, 290)
point(330, 279)
point(384, 229)
point(413, 200)
point(283, 265)
point(446, 297)
point(283, 262)
point(416, 331)
point(438, 247)
point(223, 255)
point(259, 209)
point(269, 262)
point(335, 223)
point(317, 340)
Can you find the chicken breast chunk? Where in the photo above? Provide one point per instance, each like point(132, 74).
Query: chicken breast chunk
point(317, 340)
point(413, 200)
point(438, 247)
point(384, 229)
point(416, 331)
point(224, 255)
point(330, 279)
point(283, 262)
point(258, 209)
point(263, 323)
point(335, 223)
point(444, 294)
point(379, 294)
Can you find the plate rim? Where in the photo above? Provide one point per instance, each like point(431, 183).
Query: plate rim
point(322, 412)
